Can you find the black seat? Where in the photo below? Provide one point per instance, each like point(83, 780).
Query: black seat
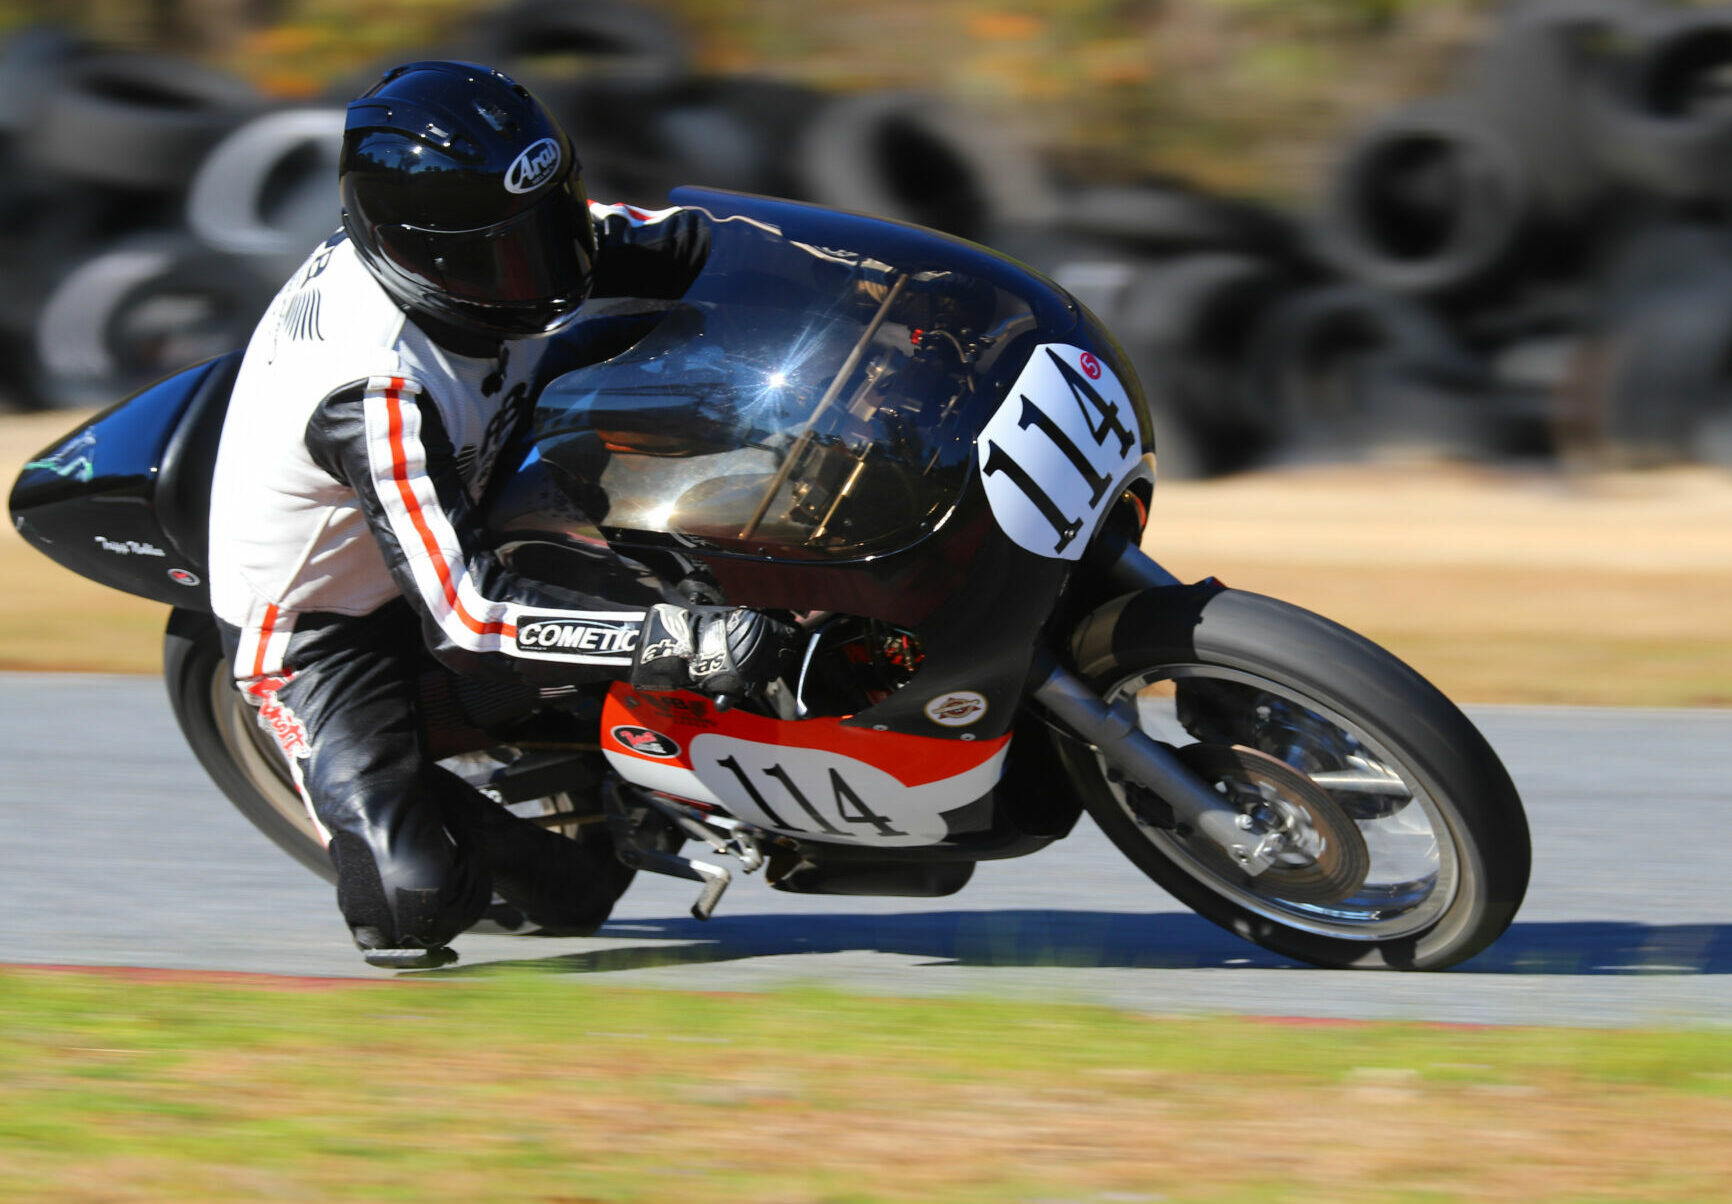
point(183, 480)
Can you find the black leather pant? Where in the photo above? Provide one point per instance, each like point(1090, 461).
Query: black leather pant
point(399, 827)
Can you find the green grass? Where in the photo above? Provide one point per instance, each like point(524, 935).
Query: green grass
point(510, 1087)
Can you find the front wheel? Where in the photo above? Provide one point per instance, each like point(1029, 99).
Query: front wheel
point(1402, 839)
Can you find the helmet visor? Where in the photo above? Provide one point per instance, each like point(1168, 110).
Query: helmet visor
point(540, 257)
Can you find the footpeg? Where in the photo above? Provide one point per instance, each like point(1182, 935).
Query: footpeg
point(714, 877)
point(630, 811)
point(410, 959)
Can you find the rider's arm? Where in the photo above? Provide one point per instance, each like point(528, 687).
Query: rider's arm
point(647, 253)
point(385, 440)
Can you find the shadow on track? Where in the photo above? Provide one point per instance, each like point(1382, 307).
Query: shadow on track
point(1595, 947)
point(1163, 940)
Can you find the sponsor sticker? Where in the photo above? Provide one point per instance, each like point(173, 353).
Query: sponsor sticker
point(534, 167)
point(282, 723)
point(576, 637)
point(183, 577)
point(959, 708)
point(682, 709)
point(74, 459)
point(128, 547)
point(646, 741)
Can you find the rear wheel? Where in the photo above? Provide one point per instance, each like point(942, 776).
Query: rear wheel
point(226, 738)
point(1398, 840)
point(241, 758)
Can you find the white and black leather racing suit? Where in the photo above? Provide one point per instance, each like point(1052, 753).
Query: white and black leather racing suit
point(343, 544)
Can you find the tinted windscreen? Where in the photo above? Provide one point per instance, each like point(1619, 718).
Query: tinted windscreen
point(800, 401)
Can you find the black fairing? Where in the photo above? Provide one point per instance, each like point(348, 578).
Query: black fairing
point(618, 441)
point(124, 499)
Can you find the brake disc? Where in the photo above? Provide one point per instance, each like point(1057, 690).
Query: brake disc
point(1317, 852)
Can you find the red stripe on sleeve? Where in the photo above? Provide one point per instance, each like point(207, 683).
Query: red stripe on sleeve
point(400, 474)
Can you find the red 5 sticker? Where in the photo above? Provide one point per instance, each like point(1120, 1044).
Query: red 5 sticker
point(1091, 365)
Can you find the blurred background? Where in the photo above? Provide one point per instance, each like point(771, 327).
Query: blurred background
point(1324, 229)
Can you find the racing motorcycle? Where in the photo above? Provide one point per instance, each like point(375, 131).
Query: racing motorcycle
point(942, 466)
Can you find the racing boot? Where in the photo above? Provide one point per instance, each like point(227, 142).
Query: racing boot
point(564, 887)
point(398, 926)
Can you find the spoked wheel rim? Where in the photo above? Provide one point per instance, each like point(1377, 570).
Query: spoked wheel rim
point(1411, 871)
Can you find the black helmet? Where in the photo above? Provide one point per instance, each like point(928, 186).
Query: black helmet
point(464, 200)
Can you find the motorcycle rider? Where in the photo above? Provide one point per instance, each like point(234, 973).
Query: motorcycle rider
point(371, 407)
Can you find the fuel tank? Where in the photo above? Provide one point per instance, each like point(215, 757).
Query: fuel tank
point(124, 499)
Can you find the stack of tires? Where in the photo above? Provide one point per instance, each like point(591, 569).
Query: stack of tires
point(1177, 275)
point(102, 286)
point(1559, 224)
point(620, 78)
point(158, 205)
point(1184, 280)
point(1539, 262)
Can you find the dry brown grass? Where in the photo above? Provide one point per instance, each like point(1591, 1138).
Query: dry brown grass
point(1500, 586)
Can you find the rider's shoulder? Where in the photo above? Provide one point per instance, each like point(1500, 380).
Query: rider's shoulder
point(356, 310)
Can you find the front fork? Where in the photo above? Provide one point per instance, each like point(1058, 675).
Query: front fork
point(1113, 730)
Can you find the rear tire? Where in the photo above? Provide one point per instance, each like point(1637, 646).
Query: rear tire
point(1450, 848)
point(223, 730)
point(225, 736)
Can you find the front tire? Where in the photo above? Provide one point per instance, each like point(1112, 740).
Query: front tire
point(1209, 668)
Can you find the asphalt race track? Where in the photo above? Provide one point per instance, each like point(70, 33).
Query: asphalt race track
point(117, 851)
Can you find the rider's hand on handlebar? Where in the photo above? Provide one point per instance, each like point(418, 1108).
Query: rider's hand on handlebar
point(712, 649)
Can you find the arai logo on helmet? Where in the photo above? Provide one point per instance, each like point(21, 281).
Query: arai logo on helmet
point(534, 167)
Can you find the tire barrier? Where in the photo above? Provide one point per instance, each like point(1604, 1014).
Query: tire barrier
point(1564, 216)
point(1186, 322)
point(1168, 218)
point(1662, 123)
point(1534, 81)
point(1662, 386)
point(911, 157)
point(1655, 260)
point(136, 121)
point(30, 62)
point(1347, 367)
point(269, 190)
point(253, 185)
point(639, 143)
point(141, 310)
point(1535, 261)
point(1429, 200)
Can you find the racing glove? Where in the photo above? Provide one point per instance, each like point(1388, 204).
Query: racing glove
point(711, 649)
